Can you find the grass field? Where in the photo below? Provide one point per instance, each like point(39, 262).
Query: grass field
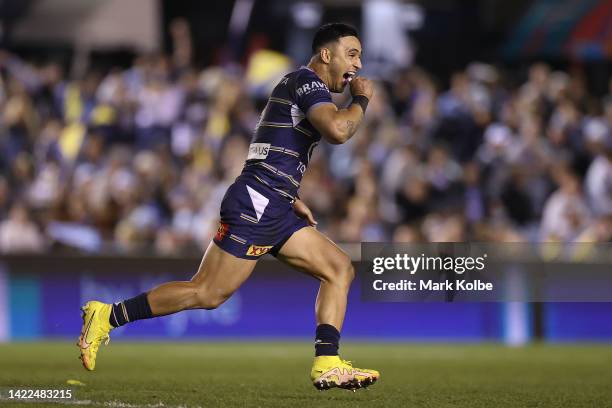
point(276, 375)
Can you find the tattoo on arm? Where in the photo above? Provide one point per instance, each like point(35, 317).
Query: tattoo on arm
point(350, 126)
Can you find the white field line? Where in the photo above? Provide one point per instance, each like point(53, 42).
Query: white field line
point(110, 404)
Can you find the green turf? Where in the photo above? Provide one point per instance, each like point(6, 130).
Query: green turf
point(276, 375)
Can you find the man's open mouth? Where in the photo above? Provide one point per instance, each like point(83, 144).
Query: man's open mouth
point(348, 76)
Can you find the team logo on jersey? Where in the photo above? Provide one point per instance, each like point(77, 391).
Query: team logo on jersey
point(221, 232)
point(258, 151)
point(256, 250)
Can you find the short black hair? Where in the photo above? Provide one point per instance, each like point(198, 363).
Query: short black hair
point(331, 32)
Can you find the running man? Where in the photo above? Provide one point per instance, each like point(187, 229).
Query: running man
point(262, 213)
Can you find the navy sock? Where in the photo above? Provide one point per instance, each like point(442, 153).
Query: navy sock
point(327, 340)
point(136, 308)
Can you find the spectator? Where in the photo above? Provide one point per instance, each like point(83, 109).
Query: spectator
point(566, 214)
point(140, 158)
point(18, 233)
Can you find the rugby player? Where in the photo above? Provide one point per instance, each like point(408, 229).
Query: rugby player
point(262, 213)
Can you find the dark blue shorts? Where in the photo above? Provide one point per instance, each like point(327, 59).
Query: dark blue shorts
point(255, 220)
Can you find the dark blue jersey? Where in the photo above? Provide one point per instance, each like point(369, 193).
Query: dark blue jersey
point(284, 139)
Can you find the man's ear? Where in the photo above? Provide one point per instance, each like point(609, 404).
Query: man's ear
point(325, 55)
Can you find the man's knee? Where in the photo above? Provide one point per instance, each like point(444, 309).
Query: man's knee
point(210, 299)
point(341, 271)
point(348, 271)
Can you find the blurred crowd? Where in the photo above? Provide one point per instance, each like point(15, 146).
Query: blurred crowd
point(139, 158)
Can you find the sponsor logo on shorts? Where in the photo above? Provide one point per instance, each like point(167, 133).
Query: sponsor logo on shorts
point(256, 250)
point(221, 232)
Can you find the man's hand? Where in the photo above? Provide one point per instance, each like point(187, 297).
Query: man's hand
point(302, 211)
point(339, 125)
point(362, 86)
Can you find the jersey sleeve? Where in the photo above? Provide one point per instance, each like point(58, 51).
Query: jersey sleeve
point(310, 91)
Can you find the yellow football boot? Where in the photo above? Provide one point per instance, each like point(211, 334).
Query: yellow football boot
point(95, 330)
point(331, 371)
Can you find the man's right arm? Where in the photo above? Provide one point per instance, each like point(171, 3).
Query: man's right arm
point(339, 125)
